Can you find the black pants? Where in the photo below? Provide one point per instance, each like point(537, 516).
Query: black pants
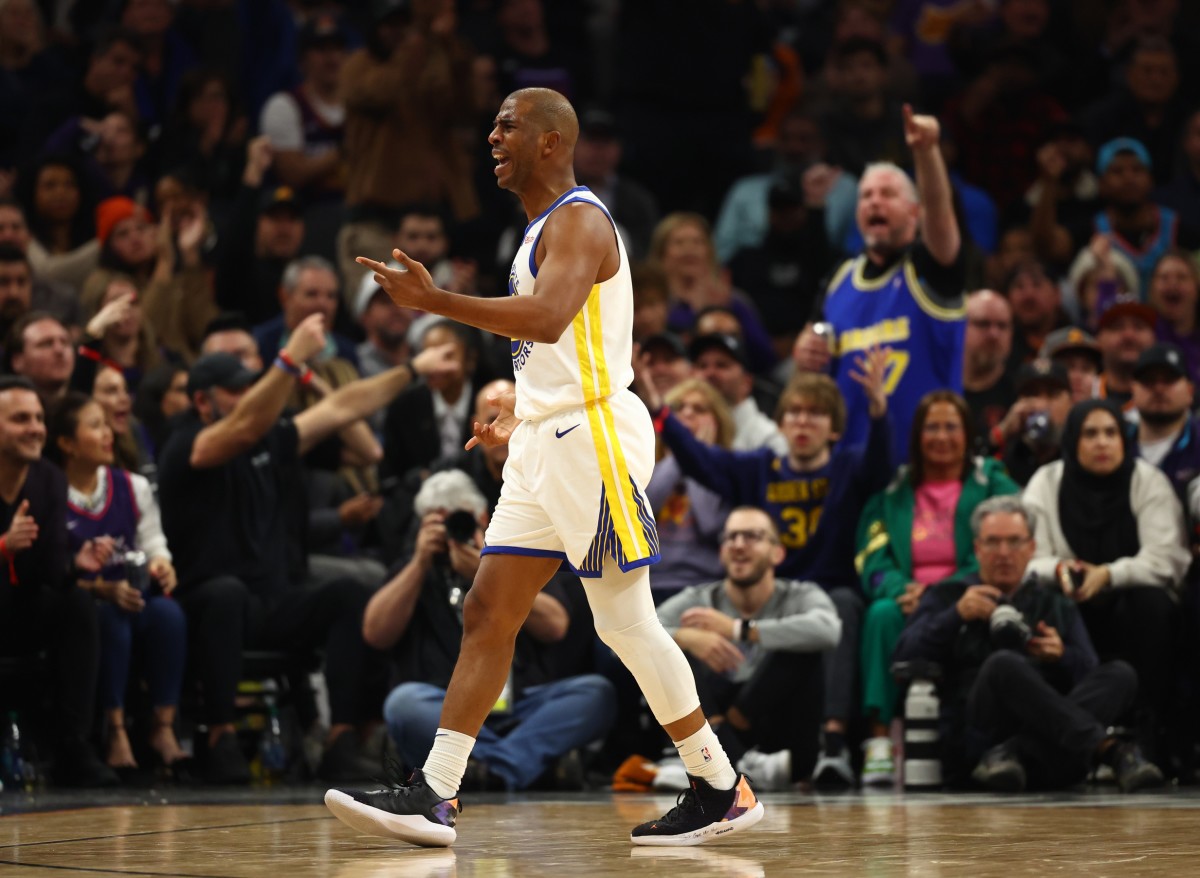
point(224, 617)
point(782, 700)
point(64, 623)
point(1139, 625)
point(1054, 735)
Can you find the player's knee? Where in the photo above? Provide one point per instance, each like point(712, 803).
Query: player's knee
point(487, 614)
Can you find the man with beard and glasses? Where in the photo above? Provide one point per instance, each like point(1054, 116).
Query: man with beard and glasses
point(1167, 435)
point(814, 494)
point(904, 291)
point(987, 382)
point(755, 644)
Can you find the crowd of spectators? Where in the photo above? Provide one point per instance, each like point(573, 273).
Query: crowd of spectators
point(917, 319)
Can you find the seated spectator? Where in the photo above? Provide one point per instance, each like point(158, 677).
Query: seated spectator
point(911, 535)
point(1099, 276)
point(987, 380)
point(263, 234)
point(1110, 531)
point(432, 418)
point(59, 212)
point(386, 328)
point(175, 299)
point(664, 359)
point(42, 607)
point(689, 516)
point(117, 333)
point(1175, 294)
point(133, 594)
point(1125, 330)
point(862, 123)
point(1182, 194)
point(39, 348)
point(55, 297)
point(224, 483)
point(133, 450)
point(682, 246)
point(1037, 309)
point(1031, 431)
point(544, 711)
point(782, 275)
point(161, 396)
point(206, 132)
point(109, 149)
point(814, 494)
point(754, 643)
point(305, 124)
point(597, 159)
point(1066, 188)
point(721, 360)
point(16, 286)
point(649, 300)
point(1079, 353)
point(1032, 713)
point(1167, 435)
point(309, 285)
point(1138, 227)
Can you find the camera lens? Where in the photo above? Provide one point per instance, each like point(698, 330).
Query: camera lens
point(460, 526)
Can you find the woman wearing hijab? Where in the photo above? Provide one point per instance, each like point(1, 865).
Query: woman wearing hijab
point(1110, 532)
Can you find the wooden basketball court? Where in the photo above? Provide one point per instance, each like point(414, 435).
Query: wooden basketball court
point(587, 835)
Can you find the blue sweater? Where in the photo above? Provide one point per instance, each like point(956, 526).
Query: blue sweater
point(816, 512)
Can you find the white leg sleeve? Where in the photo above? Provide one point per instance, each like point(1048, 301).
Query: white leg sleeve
point(626, 622)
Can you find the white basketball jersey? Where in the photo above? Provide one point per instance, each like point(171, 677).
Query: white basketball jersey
point(593, 358)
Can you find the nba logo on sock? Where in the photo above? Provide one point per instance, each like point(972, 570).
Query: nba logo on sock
point(706, 754)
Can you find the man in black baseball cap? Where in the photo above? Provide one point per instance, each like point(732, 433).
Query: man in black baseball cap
point(720, 359)
point(1036, 419)
point(1163, 395)
point(219, 370)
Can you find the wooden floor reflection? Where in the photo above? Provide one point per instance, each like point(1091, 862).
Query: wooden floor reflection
point(939, 837)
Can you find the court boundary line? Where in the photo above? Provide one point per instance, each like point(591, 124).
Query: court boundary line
point(31, 844)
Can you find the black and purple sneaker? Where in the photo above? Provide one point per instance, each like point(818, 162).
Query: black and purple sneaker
point(407, 810)
point(702, 813)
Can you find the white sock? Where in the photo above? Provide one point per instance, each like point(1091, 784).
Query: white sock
point(703, 756)
point(447, 762)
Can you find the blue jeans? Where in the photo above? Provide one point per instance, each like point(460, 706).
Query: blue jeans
point(551, 720)
point(163, 631)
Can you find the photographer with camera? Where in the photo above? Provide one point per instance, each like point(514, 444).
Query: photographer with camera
point(1031, 431)
point(1024, 695)
point(418, 615)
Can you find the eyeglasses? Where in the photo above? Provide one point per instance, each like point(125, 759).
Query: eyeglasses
point(750, 536)
point(797, 414)
point(993, 544)
point(985, 325)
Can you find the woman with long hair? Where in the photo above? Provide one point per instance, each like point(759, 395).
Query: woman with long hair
point(58, 209)
point(690, 516)
point(134, 589)
point(912, 534)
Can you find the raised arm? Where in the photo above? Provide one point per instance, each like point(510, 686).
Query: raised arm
point(261, 405)
point(939, 227)
point(577, 241)
point(367, 395)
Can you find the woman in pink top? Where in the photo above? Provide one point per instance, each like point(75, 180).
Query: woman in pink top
point(912, 534)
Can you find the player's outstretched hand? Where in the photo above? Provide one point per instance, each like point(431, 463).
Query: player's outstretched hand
point(408, 286)
point(499, 431)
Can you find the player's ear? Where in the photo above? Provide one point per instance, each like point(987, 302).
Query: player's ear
point(551, 143)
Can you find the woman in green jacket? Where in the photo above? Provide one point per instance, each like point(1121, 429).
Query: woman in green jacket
point(915, 532)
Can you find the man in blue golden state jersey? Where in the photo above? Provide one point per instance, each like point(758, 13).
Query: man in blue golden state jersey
point(904, 291)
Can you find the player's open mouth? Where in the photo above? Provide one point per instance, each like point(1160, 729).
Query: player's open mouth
point(502, 161)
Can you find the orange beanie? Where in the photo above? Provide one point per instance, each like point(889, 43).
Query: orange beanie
point(111, 211)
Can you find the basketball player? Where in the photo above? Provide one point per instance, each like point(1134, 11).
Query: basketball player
point(905, 291)
point(581, 451)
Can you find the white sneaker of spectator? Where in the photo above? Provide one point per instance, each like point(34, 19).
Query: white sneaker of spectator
point(833, 770)
point(879, 763)
point(771, 772)
point(671, 776)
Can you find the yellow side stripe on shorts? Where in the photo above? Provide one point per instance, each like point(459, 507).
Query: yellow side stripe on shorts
point(593, 372)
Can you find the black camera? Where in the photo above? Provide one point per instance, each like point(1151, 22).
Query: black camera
point(1009, 629)
point(1037, 428)
point(461, 526)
